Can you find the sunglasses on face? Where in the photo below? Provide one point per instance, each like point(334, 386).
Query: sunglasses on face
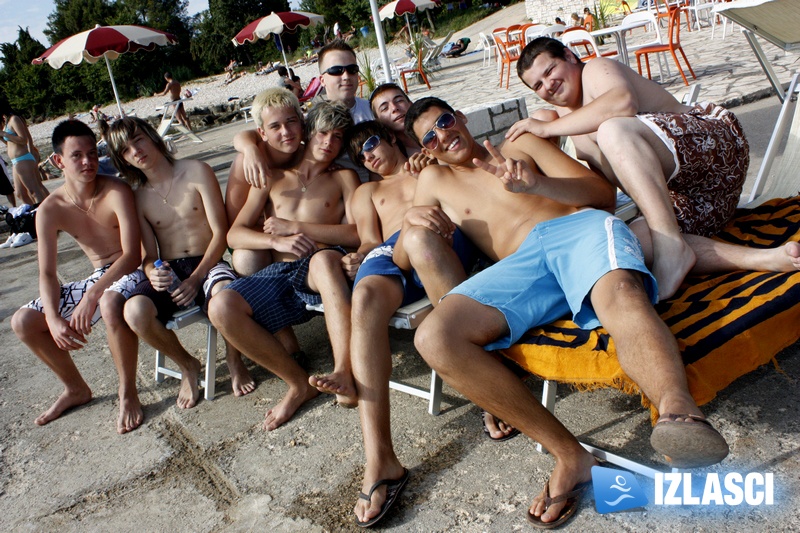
point(444, 122)
point(338, 70)
point(369, 145)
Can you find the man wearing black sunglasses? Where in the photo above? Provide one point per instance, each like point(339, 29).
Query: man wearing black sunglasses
point(338, 70)
point(525, 206)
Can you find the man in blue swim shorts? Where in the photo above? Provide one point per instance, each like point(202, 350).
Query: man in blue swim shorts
point(298, 217)
point(100, 214)
point(523, 205)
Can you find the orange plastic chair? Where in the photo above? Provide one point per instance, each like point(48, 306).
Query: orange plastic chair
point(626, 9)
point(588, 22)
point(513, 28)
point(501, 32)
point(508, 54)
point(673, 45)
point(419, 70)
point(668, 9)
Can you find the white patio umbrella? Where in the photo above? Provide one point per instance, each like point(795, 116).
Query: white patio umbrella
point(107, 42)
point(276, 23)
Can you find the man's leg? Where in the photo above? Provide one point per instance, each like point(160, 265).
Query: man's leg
point(649, 355)
point(716, 256)
point(440, 270)
point(141, 315)
point(635, 155)
point(241, 381)
point(31, 328)
point(325, 276)
point(375, 300)
point(124, 346)
point(233, 317)
point(451, 341)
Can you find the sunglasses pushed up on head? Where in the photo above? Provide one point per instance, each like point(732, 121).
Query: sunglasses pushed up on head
point(445, 121)
point(338, 70)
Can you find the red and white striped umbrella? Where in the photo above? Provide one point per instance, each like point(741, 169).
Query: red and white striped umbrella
point(403, 7)
point(276, 23)
point(107, 42)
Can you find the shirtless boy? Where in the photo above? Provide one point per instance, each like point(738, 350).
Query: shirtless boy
point(173, 87)
point(612, 112)
point(99, 213)
point(531, 221)
point(380, 288)
point(183, 223)
point(304, 206)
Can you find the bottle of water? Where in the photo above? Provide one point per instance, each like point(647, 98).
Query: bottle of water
point(175, 283)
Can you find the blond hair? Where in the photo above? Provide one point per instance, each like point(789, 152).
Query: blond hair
point(327, 116)
point(275, 97)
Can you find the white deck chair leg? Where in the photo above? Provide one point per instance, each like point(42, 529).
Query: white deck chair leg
point(435, 401)
point(159, 363)
point(549, 402)
point(211, 362)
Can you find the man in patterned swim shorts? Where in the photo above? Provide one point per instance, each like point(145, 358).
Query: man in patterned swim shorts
point(684, 166)
point(99, 213)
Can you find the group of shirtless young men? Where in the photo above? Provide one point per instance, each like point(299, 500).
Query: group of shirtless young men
point(307, 231)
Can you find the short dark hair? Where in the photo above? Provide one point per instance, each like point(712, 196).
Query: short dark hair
point(418, 108)
point(120, 133)
point(362, 131)
point(537, 47)
point(336, 45)
point(168, 74)
point(382, 88)
point(70, 128)
point(282, 71)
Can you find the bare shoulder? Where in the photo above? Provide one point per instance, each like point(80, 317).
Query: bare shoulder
point(195, 171)
point(345, 176)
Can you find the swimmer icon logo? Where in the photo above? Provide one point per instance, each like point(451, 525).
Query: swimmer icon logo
point(616, 490)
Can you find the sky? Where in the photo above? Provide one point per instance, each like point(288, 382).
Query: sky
point(32, 14)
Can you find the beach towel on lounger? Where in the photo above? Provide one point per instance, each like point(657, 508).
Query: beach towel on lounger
point(726, 324)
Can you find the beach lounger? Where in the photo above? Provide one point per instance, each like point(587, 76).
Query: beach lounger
point(168, 120)
point(180, 320)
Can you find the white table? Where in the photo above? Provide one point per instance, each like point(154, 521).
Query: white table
point(619, 36)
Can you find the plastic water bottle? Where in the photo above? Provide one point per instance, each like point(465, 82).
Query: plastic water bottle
point(175, 283)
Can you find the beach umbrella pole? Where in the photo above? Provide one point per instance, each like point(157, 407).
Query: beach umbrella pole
point(430, 20)
point(376, 19)
point(114, 86)
point(283, 50)
point(410, 35)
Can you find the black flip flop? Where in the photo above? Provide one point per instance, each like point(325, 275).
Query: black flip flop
point(573, 498)
point(393, 489)
point(513, 433)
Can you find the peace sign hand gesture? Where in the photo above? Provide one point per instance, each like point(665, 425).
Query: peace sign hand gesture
point(516, 175)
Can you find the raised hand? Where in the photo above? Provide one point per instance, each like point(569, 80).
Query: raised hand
point(416, 162)
point(516, 175)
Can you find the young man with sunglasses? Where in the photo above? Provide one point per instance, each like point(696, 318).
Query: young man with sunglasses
point(684, 166)
point(305, 206)
point(380, 288)
point(524, 206)
point(338, 71)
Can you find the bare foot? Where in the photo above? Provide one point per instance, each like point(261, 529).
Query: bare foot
point(366, 510)
point(563, 479)
point(241, 382)
point(338, 383)
point(496, 428)
point(189, 392)
point(67, 400)
point(130, 415)
point(287, 407)
point(672, 260)
point(785, 259)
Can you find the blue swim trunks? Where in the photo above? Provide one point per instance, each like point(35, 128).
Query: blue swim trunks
point(379, 263)
point(553, 271)
point(278, 294)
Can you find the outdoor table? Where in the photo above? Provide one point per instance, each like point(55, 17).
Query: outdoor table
point(619, 36)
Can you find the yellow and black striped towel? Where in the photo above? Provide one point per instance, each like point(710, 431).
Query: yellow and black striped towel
point(726, 325)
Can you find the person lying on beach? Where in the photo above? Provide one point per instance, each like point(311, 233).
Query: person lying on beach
point(514, 202)
point(380, 287)
point(99, 213)
point(690, 161)
point(305, 206)
point(182, 220)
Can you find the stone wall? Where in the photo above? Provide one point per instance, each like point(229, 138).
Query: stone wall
point(492, 121)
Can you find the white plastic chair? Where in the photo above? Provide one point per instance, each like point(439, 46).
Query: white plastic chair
point(533, 32)
point(489, 48)
point(581, 38)
point(554, 31)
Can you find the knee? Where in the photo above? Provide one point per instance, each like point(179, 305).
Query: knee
point(137, 311)
point(422, 245)
point(613, 134)
point(111, 309)
point(22, 323)
point(431, 341)
point(624, 288)
point(545, 115)
point(376, 299)
point(222, 308)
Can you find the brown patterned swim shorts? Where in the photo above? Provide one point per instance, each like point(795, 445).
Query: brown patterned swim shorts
point(711, 159)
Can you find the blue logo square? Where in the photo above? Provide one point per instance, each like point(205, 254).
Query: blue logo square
point(616, 490)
